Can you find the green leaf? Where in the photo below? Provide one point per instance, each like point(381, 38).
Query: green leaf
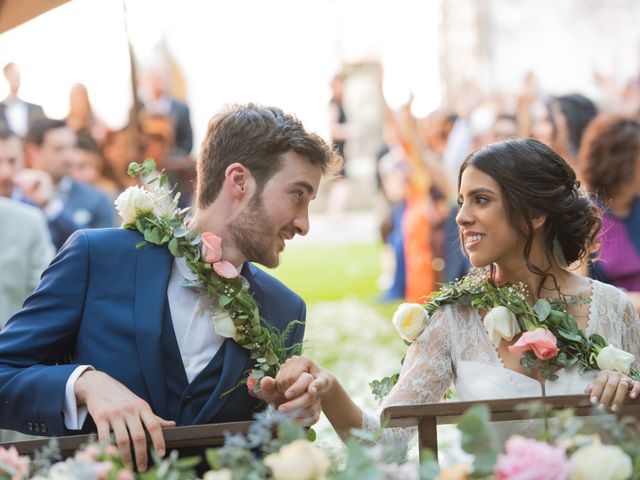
point(224, 300)
point(574, 337)
point(429, 468)
point(312, 435)
point(148, 166)
point(542, 309)
point(153, 235)
point(479, 439)
point(213, 458)
point(173, 248)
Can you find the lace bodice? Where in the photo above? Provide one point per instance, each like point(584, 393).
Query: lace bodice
point(455, 348)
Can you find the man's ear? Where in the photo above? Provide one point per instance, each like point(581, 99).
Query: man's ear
point(237, 179)
point(538, 221)
point(32, 153)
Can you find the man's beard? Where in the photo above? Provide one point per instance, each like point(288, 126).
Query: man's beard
point(252, 233)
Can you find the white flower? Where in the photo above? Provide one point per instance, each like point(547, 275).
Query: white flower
point(410, 319)
point(299, 460)
point(132, 202)
point(224, 474)
point(223, 325)
point(612, 358)
point(164, 204)
point(600, 462)
point(501, 323)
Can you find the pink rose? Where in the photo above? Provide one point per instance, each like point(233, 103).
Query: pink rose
point(212, 253)
point(251, 382)
point(526, 459)
point(225, 269)
point(11, 458)
point(211, 247)
point(541, 341)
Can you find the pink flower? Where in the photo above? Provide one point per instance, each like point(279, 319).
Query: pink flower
point(526, 459)
point(540, 340)
point(125, 475)
point(212, 253)
point(11, 458)
point(225, 269)
point(211, 247)
point(251, 382)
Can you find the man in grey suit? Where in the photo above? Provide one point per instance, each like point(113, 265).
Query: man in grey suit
point(16, 114)
point(25, 253)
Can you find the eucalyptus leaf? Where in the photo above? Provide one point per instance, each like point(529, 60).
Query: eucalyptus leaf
point(542, 309)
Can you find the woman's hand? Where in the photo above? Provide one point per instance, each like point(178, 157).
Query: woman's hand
point(612, 388)
point(292, 379)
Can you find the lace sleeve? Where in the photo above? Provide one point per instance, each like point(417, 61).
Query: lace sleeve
point(426, 374)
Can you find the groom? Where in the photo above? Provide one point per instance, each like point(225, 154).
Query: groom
point(143, 352)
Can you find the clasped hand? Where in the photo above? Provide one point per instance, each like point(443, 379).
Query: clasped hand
point(297, 389)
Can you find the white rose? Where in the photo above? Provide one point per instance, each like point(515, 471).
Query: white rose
point(501, 323)
point(224, 474)
point(600, 462)
point(223, 325)
point(299, 460)
point(132, 202)
point(410, 319)
point(612, 358)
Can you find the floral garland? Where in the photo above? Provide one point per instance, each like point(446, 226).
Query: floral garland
point(551, 338)
point(154, 213)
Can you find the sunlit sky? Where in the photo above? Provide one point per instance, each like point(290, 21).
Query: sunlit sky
point(280, 52)
point(284, 52)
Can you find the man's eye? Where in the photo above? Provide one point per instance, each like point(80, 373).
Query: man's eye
point(481, 200)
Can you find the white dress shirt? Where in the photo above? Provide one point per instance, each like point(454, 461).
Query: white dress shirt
point(192, 314)
point(17, 115)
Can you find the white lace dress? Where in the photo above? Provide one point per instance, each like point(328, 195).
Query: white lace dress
point(455, 347)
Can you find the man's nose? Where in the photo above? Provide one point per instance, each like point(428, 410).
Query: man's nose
point(301, 222)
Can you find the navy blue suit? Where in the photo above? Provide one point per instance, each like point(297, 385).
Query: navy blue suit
point(102, 302)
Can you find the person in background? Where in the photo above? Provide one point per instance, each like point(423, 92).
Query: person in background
point(561, 122)
point(50, 147)
point(32, 187)
point(16, 114)
point(88, 166)
point(610, 167)
point(81, 118)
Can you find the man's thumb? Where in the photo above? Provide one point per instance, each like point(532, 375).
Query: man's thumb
point(268, 388)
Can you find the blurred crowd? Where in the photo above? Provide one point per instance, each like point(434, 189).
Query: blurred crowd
point(60, 175)
point(418, 176)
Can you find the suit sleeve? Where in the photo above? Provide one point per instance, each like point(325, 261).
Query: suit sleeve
point(36, 340)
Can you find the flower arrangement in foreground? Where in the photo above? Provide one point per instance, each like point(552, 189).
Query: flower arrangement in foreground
point(574, 448)
point(551, 338)
point(153, 211)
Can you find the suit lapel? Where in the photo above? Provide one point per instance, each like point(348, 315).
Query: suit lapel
point(233, 367)
point(152, 276)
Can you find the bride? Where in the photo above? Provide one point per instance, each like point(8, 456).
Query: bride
point(523, 216)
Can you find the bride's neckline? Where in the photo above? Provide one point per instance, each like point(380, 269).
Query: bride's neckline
point(494, 349)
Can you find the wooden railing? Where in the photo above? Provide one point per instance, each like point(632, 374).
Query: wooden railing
point(428, 416)
point(211, 435)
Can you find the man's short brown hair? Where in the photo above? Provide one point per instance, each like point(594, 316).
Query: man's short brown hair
point(256, 137)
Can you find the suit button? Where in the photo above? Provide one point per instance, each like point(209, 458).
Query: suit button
point(188, 400)
point(30, 426)
point(36, 427)
point(43, 428)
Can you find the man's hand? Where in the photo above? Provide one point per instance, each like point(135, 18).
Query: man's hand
point(35, 185)
point(114, 407)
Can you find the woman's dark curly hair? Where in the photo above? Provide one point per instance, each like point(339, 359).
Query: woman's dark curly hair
point(609, 154)
point(536, 181)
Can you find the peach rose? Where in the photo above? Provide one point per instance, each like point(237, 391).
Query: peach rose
point(541, 341)
point(212, 253)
